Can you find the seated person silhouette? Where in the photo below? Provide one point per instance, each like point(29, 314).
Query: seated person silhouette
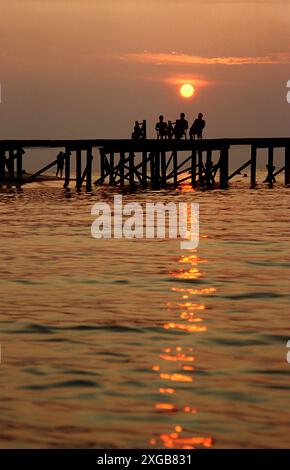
point(161, 128)
point(197, 127)
point(181, 127)
point(136, 134)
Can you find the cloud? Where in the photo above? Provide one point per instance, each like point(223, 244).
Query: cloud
point(193, 80)
point(174, 58)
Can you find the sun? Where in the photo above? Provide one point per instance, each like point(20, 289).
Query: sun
point(186, 90)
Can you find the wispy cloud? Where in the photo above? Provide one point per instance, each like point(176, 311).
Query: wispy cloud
point(175, 58)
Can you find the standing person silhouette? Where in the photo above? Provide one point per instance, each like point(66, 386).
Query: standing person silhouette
point(60, 164)
point(181, 127)
point(197, 127)
point(142, 133)
point(170, 130)
point(161, 128)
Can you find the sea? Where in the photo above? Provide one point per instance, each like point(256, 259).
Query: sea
point(138, 343)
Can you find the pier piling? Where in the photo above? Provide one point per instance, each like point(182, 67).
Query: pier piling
point(193, 168)
point(163, 169)
point(253, 165)
point(287, 165)
point(152, 168)
point(89, 169)
point(102, 165)
point(131, 171)
point(208, 169)
point(175, 169)
point(112, 166)
point(19, 155)
point(200, 167)
point(122, 170)
point(270, 177)
point(157, 170)
point(144, 170)
point(78, 169)
point(224, 168)
point(2, 165)
point(67, 168)
point(11, 165)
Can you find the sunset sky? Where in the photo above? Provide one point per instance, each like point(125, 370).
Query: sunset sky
point(90, 68)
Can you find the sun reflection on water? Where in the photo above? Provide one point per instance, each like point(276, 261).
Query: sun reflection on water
point(188, 320)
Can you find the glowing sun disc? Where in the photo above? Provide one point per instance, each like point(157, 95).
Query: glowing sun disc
point(186, 90)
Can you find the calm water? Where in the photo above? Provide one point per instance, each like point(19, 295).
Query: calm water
point(130, 343)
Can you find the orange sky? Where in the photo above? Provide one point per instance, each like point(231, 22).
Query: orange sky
point(90, 68)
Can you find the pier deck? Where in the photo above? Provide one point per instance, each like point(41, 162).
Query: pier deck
point(146, 163)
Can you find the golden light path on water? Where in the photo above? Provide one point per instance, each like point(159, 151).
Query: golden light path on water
point(176, 364)
point(83, 322)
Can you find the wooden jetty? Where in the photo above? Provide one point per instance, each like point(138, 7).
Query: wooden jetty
point(146, 163)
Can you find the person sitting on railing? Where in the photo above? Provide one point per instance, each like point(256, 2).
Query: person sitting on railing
point(136, 134)
point(197, 128)
point(161, 128)
point(181, 127)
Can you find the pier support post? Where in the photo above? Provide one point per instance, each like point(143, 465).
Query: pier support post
point(11, 165)
point(253, 165)
point(112, 165)
point(287, 165)
point(152, 168)
point(224, 168)
point(144, 170)
point(122, 169)
point(78, 169)
point(200, 167)
point(175, 170)
point(163, 169)
point(67, 168)
point(2, 165)
point(131, 171)
point(270, 177)
point(19, 155)
point(208, 167)
point(102, 165)
point(193, 168)
point(157, 171)
point(89, 170)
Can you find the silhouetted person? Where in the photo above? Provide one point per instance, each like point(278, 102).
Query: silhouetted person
point(60, 164)
point(161, 128)
point(197, 127)
point(270, 177)
point(138, 131)
point(142, 132)
point(181, 127)
point(170, 130)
